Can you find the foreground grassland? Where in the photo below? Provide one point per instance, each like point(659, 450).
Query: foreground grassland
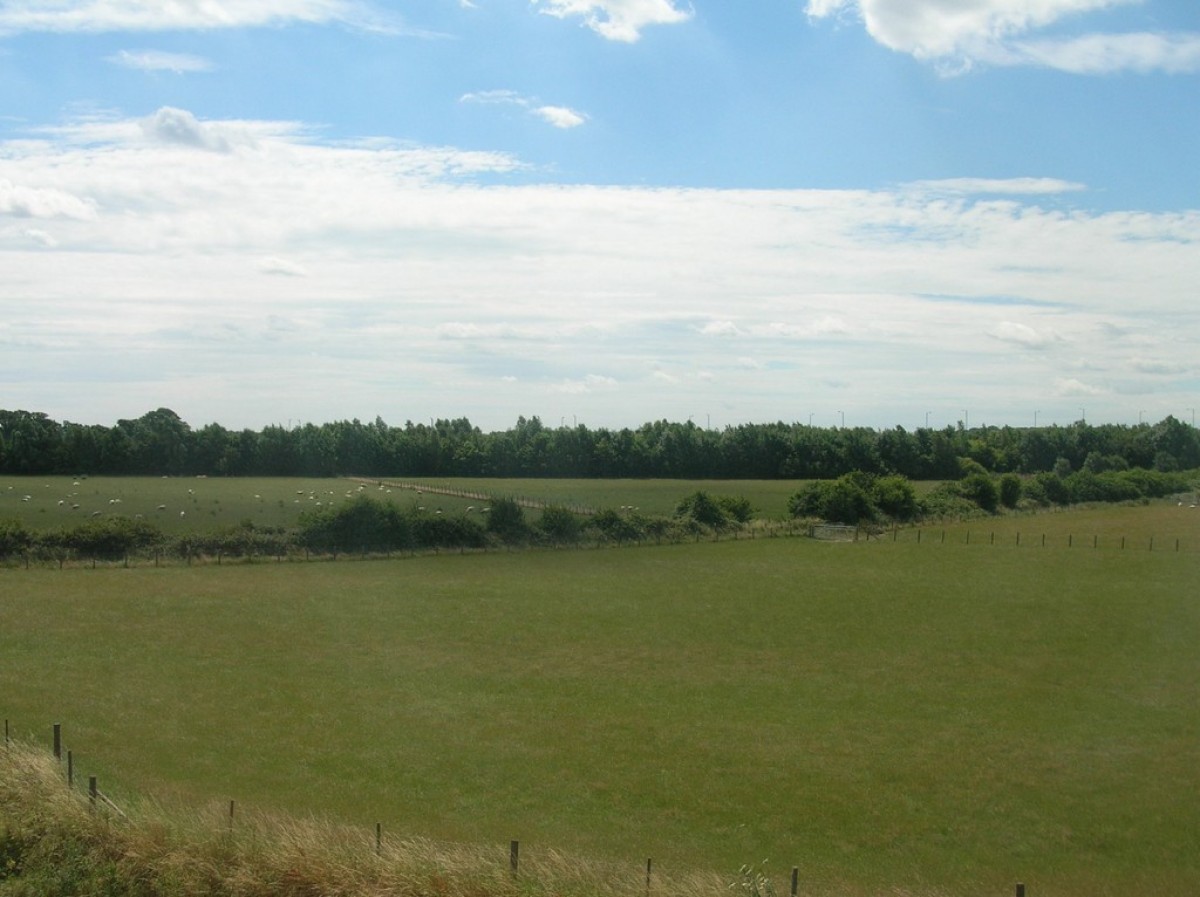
point(938, 718)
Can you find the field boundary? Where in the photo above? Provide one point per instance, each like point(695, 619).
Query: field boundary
point(535, 504)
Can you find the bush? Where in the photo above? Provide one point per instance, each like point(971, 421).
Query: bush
point(361, 524)
point(737, 508)
point(703, 509)
point(559, 525)
point(981, 489)
point(895, 497)
point(110, 539)
point(618, 527)
point(506, 520)
point(1010, 490)
point(15, 539)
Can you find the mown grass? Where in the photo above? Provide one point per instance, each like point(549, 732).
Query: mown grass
point(880, 715)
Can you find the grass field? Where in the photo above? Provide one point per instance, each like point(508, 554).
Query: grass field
point(882, 715)
point(184, 505)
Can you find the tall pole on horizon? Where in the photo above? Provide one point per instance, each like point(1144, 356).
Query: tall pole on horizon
point(1035, 414)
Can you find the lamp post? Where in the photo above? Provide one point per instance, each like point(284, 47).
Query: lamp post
point(843, 414)
point(1035, 414)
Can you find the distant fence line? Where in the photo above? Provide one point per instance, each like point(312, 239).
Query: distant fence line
point(536, 504)
point(911, 535)
point(28, 560)
point(754, 883)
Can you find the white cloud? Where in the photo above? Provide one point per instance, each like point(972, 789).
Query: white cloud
point(159, 61)
point(720, 328)
point(420, 288)
point(1097, 54)
point(956, 35)
point(41, 237)
point(23, 201)
point(1022, 335)
point(590, 383)
point(619, 20)
point(1071, 387)
point(156, 15)
point(1013, 186)
point(181, 127)
point(283, 267)
point(558, 116)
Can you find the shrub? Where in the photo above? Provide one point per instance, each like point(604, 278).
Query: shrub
point(703, 509)
point(1010, 490)
point(981, 489)
point(618, 527)
point(559, 525)
point(895, 497)
point(506, 520)
point(15, 539)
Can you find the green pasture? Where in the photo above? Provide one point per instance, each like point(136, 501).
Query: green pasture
point(1160, 525)
point(883, 715)
point(181, 504)
point(650, 496)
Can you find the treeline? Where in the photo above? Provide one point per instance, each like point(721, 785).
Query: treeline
point(160, 443)
point(863, 498)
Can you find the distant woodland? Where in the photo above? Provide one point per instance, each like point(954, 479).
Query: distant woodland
point(160, 443)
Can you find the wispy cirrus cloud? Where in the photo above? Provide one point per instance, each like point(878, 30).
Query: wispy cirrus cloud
point(160, 61)
point(619, 20)
point(559, 116)
point(18, 16)
point(959, 36)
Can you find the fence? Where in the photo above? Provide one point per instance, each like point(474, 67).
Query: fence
point(753, 883)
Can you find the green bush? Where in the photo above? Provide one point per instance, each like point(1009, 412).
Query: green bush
point(1010, 490)
point(559, 525)
point(506, 520)
point(703, 509)
point(15, 539)
point(981, 489)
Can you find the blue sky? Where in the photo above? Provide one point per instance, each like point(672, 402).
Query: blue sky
point(879, 212)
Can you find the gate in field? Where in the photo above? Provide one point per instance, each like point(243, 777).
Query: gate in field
point(833, 532)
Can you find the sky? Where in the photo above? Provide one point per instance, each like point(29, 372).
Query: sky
point(603, 212)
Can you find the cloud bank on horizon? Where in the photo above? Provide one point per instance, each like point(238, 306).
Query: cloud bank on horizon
point(604, 211)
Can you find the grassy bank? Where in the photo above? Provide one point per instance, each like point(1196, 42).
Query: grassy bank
point(881, 715)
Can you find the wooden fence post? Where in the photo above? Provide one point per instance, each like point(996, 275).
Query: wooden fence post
point(514, 851)
point(231, 816)
point(648, 865)
point(58, 741)
point(795, 880)
point(70, 770)
point(1020, 890)
point(378, 838)
point(93, 791)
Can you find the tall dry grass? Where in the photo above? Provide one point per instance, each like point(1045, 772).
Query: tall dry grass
point(55, 841)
